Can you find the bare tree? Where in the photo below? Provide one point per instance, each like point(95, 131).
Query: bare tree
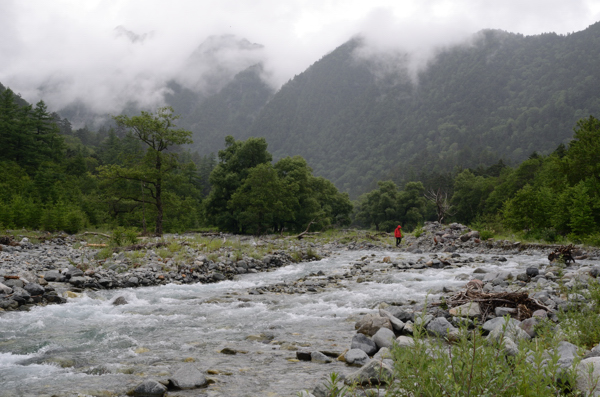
point(440, 198)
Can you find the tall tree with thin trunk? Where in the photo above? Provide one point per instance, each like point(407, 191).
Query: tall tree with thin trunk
point(159, 133)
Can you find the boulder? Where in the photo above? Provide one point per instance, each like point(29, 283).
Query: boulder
point(371, 323)
point(318, 357)
point(384, 338)
point(149, 388)
point(187, 377)
point(373, 373)
point(471, 309)
point(120, 301)
point(4, 289)
point(510, 330)
point(441, 327)
point(356, 357)
point(588, 371)
point(364, 343)
point(397, 325)
point(34, 289)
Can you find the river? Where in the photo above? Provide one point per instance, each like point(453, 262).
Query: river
point(89, 347)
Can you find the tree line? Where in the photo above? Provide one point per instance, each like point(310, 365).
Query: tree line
point(545, 197)
point(137, 174)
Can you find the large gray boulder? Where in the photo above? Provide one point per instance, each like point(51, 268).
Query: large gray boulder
point(149, 388)
point(441, 327)
point(364, 343)
point(54, 275)
point(509, 330)
point(384, 338)
point(187, 377)
point(373, 373)
point(356, 357)
point(34, 289)
point(397, 324)
point(588, 371)
point(371, 323)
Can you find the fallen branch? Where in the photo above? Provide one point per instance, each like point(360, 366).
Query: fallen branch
point(97, 234)
point(299, 236)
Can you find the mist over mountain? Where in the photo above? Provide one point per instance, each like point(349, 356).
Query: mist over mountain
point(366, 112)
point(501, 95)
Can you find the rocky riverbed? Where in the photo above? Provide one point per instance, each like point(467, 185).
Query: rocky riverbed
point(65, 270)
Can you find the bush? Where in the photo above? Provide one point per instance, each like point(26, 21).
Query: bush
point(581, 320)
point(418, 231)
point(475, 366)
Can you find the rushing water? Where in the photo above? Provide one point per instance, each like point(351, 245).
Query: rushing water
point(89, 347)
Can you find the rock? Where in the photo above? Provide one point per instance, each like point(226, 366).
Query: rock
point(383, 354)
point(532, 271)
point(405, 341)
point(588, 371)
point(441, 327)
point(149, 388)
point(356, 357)
point(303, 356)
point(401, 313)
point(53, 275)
point(422, 321)
point(528, 325)
point(384, 338)
point(34, 289)
point(510, 330)
point(364, 343)
point(471, 309)
point(4, 289)
point(187, 377)
point(373, 373)
point(567, 353)
point(120, 301)
point(371, 323)
point(503, 311)
point(397, 325)
point(318, 357)
point(540, 313)
point(8, 304)
point(77, 281)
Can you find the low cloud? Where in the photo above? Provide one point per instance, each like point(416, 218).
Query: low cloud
point(108, 54)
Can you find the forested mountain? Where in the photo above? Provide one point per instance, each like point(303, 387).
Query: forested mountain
point(503, 95)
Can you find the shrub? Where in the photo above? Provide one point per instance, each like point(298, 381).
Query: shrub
point(475, 366)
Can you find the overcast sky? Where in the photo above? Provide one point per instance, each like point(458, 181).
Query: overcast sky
point(108, 52)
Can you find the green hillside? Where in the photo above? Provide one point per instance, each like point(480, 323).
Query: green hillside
point(503, 95)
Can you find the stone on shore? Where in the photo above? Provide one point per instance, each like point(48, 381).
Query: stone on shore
point(149, 388)
point(187, 377)
point(364, 343)
point(371, 323)
point(373, 373)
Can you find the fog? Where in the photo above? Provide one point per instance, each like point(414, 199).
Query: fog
point(106, 54)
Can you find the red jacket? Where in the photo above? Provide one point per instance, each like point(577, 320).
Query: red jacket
point(398, 232)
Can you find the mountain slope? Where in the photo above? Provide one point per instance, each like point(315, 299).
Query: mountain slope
point(502, 96)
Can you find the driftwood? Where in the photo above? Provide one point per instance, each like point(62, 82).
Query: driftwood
point(137, 247)
point(489, 301)
point(564, 252)
point(304, 233)
point(97, 234)
point(8, 240)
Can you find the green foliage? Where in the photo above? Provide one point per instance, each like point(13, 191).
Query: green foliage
point(580, 321)
point(474, 366)
point(141, 180)
point(387, 207)
point(249, 195)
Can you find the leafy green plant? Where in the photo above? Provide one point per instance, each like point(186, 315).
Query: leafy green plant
point(580, 321)
point(475, 366)
point(118, 236)
point(131, 236)
point(418, 232)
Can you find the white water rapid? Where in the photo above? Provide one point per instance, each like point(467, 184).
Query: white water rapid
point(90, 347)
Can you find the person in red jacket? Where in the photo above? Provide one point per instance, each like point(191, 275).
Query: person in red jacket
point(398, 235)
